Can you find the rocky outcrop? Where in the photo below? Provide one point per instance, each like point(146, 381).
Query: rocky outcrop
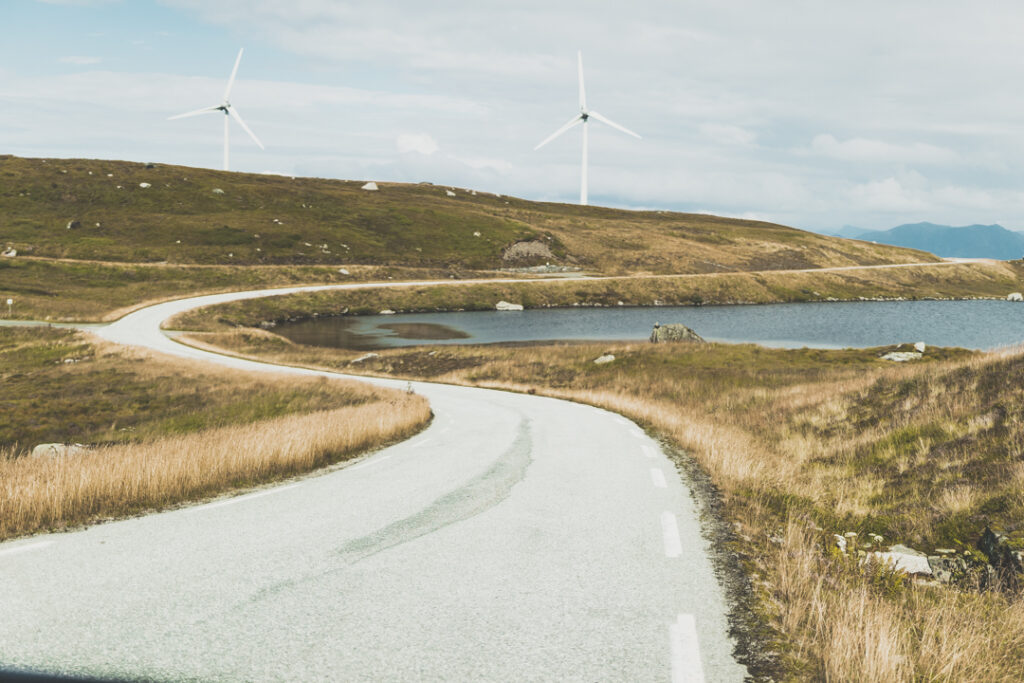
point(674, 333)
point(1015, 296)
point(522, 251)
point(1006, 559)
point(506, 306)
point(902, 558)
point(371, 186)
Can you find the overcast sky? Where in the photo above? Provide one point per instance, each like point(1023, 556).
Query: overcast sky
point(811, 113)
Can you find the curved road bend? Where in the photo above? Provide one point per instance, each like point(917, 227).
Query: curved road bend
point(518, 538)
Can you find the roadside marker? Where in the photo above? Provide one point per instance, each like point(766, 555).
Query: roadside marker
point(670, 535)
point(686, 666)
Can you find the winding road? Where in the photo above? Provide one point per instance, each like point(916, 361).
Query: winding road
point(517, 538)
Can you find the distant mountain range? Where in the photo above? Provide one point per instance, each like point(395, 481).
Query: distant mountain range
point(969, 241)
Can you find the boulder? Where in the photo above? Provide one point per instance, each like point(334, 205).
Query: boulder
point(1015, 296)
point(902, 558)
point(920, 347)
point(449, 193)
point(947, 569)
point(606, 358)
point(506, 306)
point(10, 252)
point(371, 186)
point(58, 450)
point(386, 311)
point(674, 333)
point(73, 225)
point(901, 356)
point(145, 185)
point(217, 190)
point(365, 357)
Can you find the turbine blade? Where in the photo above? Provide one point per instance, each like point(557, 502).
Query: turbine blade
point(197, 112)
point(572, 122)
point(583, 93)
point(235, 115)
point(613, 124)
point(234, 72)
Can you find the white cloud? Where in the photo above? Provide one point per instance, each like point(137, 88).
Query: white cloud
point(80, 61)
point(420, 143)
point(726, 134)
point(863, 149)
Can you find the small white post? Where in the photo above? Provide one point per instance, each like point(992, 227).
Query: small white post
point(10, 302)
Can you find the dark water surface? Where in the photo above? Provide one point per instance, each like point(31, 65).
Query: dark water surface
point(970, 324)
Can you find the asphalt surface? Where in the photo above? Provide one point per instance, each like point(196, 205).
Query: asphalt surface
point(517, 538)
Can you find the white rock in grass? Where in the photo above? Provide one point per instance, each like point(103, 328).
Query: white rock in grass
point(920, 347)
point(902, 356)
point(364, 357)
point(371, 186)
point(343, 271)
point(506, 306)
point(449, 193)
point(58, 450)
point(904, 559)
point(601, 360)
point(144, 185)
point(10, 252)
point(476, 233)
point(387, 311)
point(217, 190)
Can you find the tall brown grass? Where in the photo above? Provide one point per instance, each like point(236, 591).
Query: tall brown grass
point(39, 494)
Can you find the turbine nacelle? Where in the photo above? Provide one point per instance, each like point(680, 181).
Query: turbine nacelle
point(583, 117)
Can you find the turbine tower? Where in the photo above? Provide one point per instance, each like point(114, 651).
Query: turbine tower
point(583, 117)
point(229, 112)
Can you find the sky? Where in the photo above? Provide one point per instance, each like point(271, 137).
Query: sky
point(810, 113)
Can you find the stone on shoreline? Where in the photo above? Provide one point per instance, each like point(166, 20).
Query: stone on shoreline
point(1015, 296)
point(674, 333)
point(506, 306)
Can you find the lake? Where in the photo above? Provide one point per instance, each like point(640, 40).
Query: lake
point(968, 324)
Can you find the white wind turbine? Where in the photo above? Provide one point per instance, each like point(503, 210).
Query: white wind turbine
point(583, 117)
point(229, 112)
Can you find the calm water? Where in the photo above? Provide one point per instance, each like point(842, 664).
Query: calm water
point(970, 324)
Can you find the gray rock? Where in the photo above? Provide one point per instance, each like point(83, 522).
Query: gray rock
point(902, 356)
point(904, 559)
point(674, 333)
point(1015, 296)
point(606, 358)
point(947, 569)
point(506, 306)
point(1007, 561)
point(73, 225)
point(371, 186)
point(58, 450)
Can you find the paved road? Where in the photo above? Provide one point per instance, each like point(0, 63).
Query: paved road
point(518, 538)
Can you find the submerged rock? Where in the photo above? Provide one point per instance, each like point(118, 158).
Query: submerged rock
point(674, 333)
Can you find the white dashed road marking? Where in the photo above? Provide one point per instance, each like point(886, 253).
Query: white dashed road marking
point(649, 452)
point(686, 666)
point(670, 534)
point(658, 478)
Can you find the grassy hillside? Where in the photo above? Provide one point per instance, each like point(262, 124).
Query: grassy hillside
point(89, 209)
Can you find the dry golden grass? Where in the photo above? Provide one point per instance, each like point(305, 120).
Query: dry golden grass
point(801, 445)
point(46, 493)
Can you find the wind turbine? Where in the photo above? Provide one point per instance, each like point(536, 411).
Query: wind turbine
point(229, 112)
point(583, 117)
